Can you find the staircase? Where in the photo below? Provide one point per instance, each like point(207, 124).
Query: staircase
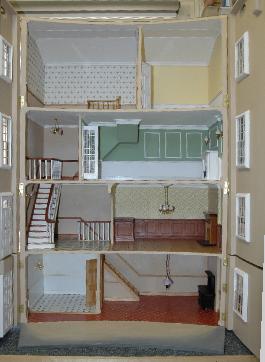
point(130, 292)
point(42, 224)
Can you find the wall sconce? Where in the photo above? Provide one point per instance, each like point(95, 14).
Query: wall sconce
point(56, 129)
point(219, 133)
point(206, 140)
point(3, 11)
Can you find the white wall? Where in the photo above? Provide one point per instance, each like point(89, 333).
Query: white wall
point(151, 169)
point(65, 273)
point(147, 272)
point(35, 278)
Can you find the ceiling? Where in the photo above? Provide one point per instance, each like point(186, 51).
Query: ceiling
point(171, 118)
point(180, 43)
point(76, 43)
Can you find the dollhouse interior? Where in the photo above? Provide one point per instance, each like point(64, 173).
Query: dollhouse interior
point(101, 67)
point(61, 286)
point(123, 163)
point(173, 145)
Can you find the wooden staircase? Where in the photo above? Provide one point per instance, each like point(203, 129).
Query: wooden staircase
point(41, 229)
point(134, 293)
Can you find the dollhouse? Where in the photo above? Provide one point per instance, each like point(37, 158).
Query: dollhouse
point(123, 158)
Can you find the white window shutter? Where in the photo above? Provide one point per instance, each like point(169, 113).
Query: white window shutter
point(6, 296)
point(90, 152)
point(6, 225)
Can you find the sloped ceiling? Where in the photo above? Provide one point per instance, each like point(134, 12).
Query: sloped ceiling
point(181, 43)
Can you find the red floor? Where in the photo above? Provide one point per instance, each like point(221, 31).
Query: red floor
point(149, 308)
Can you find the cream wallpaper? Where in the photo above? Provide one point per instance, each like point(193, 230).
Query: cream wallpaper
point(35, 70)
point(141, 202)
point(76, 83)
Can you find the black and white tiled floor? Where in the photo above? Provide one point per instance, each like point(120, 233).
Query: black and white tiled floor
point(9, 345)
point(63, 303)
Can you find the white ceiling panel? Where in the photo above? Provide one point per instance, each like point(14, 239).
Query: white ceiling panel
point(88, 50)
point(179, 51)
point(171, 118)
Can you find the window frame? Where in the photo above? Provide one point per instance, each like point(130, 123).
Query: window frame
point(246, 197)
point(245, 116)
point(244, 305)
point(7, 78)
point(7, 165)
point(244, 72)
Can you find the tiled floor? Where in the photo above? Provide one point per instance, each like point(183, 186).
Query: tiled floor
point(149, 308)
point(65, 303)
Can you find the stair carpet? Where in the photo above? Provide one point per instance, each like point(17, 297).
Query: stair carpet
point(38, 237)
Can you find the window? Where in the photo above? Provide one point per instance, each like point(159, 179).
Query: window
point(242, 57)
point(5, 141)
point(6, 53)
point(243, 140)
point(240, 305)
point(243, 216)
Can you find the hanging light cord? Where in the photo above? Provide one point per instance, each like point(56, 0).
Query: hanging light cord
point(168, 266)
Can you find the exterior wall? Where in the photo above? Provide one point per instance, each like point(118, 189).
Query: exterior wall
point(6, 30)
point(179, 85)
point(247, 94)
point(250, 332)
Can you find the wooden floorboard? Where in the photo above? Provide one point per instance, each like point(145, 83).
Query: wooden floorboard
point(140, 246)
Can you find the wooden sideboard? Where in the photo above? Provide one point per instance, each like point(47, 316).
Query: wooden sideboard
point(130, 229)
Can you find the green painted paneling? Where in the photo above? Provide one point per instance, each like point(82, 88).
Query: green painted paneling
point(173, 147)
point(127, 133)
point(194, 145)
point(152, 145)
point(155, 147)
point(108, 139)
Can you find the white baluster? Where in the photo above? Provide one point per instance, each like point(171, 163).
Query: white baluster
point(40, 164)
point(51, 169)
point(29, 168)
point(103, 230)
point(34, 169)
point(46, 169)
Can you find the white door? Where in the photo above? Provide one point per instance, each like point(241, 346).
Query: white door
point(6, 225)
point(90, 152)
point(146, 85)
point(6, 295)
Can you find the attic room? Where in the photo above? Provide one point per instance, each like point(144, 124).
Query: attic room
point(108, 63)
point(172, 145)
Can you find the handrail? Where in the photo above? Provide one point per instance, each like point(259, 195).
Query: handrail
point(47, 219)
point(35, 193)
point(88, 223)
point(49, 159)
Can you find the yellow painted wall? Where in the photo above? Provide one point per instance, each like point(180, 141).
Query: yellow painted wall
point(179, 85)
point(215, 66)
